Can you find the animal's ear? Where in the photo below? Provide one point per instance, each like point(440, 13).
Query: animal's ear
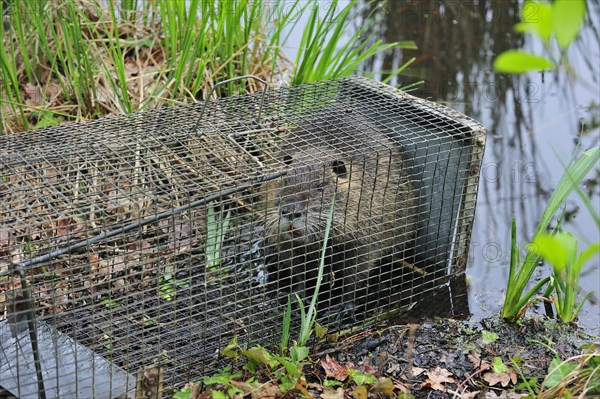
point(287, 159)
point(339, 168)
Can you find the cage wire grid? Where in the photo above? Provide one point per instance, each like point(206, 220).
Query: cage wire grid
point(145, 240)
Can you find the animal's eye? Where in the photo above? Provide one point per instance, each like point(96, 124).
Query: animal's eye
point(287, 159)
point(339, 168)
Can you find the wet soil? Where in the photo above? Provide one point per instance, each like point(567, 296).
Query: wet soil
point(449, 358)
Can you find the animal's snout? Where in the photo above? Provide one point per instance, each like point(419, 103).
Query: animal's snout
point(293, 211)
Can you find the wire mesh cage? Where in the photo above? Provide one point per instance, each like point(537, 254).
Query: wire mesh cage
point(151, 240)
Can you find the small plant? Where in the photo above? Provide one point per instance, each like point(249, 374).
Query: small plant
point(326, 52)
point(561, 20)
point(520, 273)
point(577, 376)
point(308, 319)
point(100, 57)
point(168, 286)
point(217, 224)
point(285, 370)
point(560, 250)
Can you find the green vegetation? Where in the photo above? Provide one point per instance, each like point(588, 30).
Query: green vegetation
point(560, 250)
point(325, 52)
point(286, 369)
point(217, 224)
point(520, 273)
point(77, 60)
point(578, 376)
point(560, 20)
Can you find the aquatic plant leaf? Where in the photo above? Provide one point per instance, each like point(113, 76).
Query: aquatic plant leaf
point(536, 18)
point(558, 250)
point(567, 16)
point(587, 254)
point(574, 174)
point(515, 61)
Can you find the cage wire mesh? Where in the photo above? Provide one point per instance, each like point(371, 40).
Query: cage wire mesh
point(153, 239)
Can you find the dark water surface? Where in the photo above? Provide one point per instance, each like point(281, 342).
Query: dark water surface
point(534, 124)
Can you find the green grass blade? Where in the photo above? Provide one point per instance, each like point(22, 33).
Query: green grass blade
point(571, 178)
point(287, 321)
point(310, 317)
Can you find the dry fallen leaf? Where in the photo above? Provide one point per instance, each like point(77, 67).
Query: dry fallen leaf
point(503, 378)
point(394, 367)
point(469, 395)
point(403, 388)
point(504, 395)
point(301, 386)
point(437, 378)
point(333, 369)
point(360, 392)
point(33, 95)
point(385, 386)
point(268, 390)
point(330, 393)
point(416, 371)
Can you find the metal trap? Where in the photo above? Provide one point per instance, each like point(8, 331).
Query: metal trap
point(152, 239)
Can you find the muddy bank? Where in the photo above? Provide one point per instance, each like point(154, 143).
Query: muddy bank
point(453, 359)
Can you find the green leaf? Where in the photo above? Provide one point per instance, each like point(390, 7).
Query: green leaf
point(332, 383)
point(572, 177)
point(488, 337)
point(498, 366)
point(183, 394)
point(287, 383)
point(407, 44)
point(568, 16)
point(361, 378)
point(231, 349)
point(557, 371)
point(298, 353)
point(221, 378)
point(588, 253)
point(559, 249)
point(290, 368)
point(259, 354)
point(218, 394)
point(320, 330)
point(515, 61)
point(536, 18)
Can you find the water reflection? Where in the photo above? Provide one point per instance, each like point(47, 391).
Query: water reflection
point(534, 123)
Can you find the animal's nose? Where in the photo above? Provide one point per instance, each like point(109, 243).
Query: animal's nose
point(291, 211)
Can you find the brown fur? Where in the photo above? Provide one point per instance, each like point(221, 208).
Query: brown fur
point(374, 211)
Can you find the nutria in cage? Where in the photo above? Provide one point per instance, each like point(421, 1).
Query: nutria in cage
point(341, 154)
point(158, 237)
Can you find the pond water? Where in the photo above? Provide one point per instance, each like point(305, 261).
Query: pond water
point(534, 125)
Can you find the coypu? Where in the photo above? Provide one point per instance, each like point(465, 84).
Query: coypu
point(374, 210)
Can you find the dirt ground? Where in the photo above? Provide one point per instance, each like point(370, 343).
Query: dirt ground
point(448, 359)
